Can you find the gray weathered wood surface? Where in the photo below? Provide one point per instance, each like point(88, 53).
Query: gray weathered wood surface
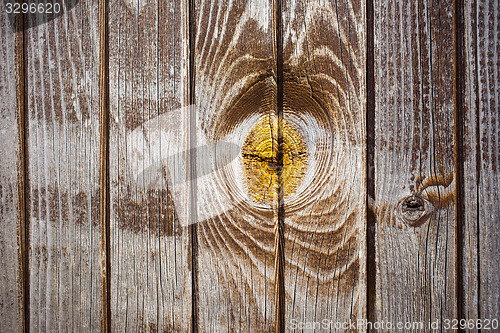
point(63, 168)
point(481, 160)
point(414, 155)
point(197, 137)
point(324, 96)
point(234, 54)
point(11, 187)
point(150, 254)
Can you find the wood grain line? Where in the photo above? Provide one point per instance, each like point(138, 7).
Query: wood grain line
point(478, 175)
point(104, 166)
point(477, 161)
point(459, 114)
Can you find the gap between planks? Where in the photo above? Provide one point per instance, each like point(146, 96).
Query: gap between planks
point(280, 223)
point(104, 184)
point(459, 114)
point(371, 287)
point(193, 228)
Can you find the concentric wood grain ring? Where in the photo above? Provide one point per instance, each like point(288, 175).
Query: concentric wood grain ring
point(252, 123)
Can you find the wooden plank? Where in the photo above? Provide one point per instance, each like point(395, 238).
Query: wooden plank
point(481, 159)
point(235, 98)
point(414, 162)
point(150, 268)
point(11, 186)
point(324, 101)
point(63, 139)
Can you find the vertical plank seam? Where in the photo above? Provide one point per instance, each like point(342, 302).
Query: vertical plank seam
point(478, 162)
point(370, 165)
point(280, 224)
point(193, 228)
point(459, 66)
point(23, 188)
point(159, 202)
point(105, 265)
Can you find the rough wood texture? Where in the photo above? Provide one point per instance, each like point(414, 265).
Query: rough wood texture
point(414, 155)
point(63, 138)
point(481, 161)
point(235, 86)
point(11, 214)
point(150, 272)
point(245, 211)
point(324, 98)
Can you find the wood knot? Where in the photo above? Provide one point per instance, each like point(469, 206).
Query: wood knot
point(260, 158)
point(414, 210)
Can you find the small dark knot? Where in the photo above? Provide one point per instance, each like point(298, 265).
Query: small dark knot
point(414, 210)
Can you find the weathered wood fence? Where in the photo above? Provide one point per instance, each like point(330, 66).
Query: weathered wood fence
point(250, 166)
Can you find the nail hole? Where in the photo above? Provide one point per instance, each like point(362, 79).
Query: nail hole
point(414, 210)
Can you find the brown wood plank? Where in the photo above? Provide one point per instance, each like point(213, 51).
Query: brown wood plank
point(235, 107)
point(150, 271)
point(324, 100)
point(481, 159)
point(63, 139)
point(11, 177)
point(414, 162)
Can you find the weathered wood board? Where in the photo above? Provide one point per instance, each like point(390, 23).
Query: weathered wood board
point(235, 93)
point(150, 253)
point(11, 208)
point(481, 161)
point(414, 161)
point(246, 140)
point(324, 98)
point(63, 168)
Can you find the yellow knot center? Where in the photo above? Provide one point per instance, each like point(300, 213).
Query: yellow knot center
point(259, 154)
